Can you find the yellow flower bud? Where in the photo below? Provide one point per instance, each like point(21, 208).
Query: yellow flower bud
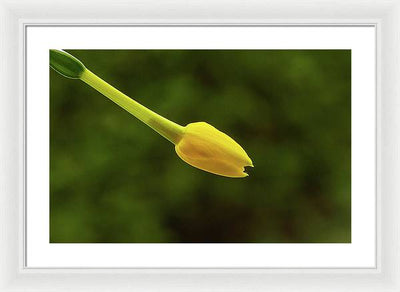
point(207, 148)
point(199, 144)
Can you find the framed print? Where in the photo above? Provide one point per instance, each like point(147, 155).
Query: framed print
point(312, 147)
point(182, 153)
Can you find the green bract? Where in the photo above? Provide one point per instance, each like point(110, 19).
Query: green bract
point(66, 64)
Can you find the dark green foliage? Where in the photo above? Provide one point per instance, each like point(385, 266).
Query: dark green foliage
point(113, 179)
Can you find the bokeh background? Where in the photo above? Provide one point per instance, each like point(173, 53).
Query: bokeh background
point(113, 179)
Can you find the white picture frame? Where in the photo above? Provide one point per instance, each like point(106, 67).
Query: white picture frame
point(15, 15)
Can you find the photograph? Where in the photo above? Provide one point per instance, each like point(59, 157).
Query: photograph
point(200, 146)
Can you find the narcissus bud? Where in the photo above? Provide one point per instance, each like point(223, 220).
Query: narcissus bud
point(207, 148)
point(199, 144)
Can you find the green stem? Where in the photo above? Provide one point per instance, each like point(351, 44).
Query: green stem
point(70, 67)
point(166, 128)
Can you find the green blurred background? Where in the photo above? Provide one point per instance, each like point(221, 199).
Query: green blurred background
point(113, 179)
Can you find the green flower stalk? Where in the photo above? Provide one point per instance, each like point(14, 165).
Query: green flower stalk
point(199, 144)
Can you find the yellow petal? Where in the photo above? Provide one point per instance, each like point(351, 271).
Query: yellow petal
point(207, 148)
